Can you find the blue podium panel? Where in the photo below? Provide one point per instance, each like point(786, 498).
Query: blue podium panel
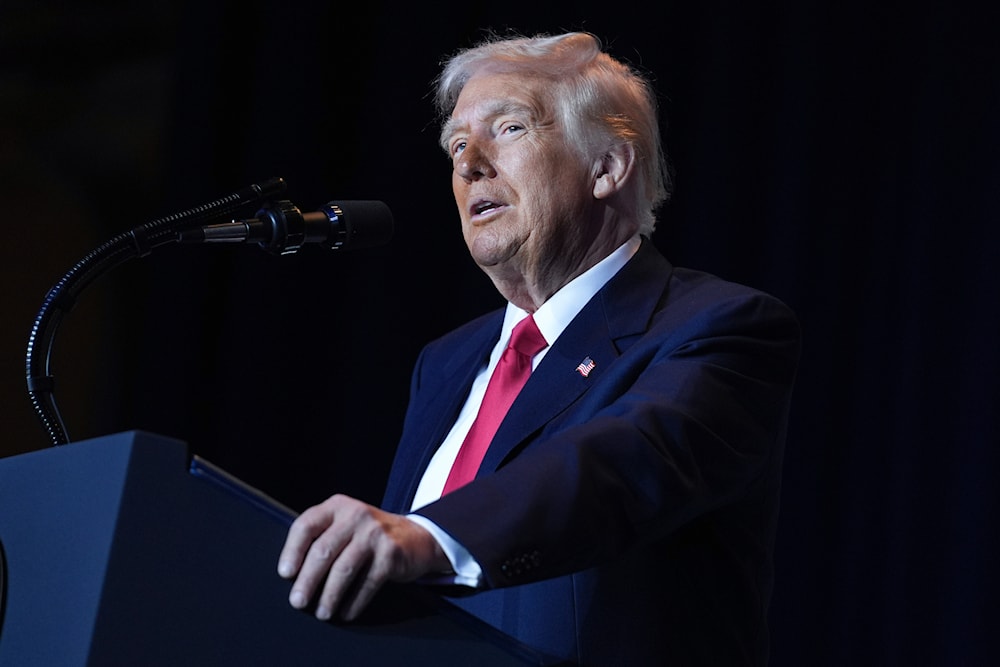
point(125, 550)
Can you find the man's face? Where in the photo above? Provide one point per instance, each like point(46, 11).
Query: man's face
point(524, 195)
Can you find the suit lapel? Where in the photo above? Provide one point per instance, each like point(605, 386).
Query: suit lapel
point(620, 312)
point(430, 419)
point(458, 375)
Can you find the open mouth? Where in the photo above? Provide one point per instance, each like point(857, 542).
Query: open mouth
point(485, 206)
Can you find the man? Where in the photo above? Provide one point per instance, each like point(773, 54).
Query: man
point(625, 508)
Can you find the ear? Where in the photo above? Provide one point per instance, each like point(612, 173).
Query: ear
point(613, 170)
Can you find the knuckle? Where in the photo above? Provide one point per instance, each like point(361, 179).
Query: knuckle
point(322, 549)
point(343, 569)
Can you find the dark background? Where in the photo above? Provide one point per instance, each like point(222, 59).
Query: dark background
point(840, 155)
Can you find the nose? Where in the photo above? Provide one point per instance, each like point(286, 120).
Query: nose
point(473, 163)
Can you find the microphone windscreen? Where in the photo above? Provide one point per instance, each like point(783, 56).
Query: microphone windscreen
point(367, 223)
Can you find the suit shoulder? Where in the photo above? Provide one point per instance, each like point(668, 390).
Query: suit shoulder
point(707, 289)
point(701, 303)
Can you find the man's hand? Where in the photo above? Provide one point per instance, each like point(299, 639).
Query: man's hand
point(345, 550)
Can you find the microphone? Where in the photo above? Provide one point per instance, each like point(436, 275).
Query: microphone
point(283, 229)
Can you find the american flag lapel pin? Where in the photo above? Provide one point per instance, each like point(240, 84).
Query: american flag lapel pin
point(585, 367)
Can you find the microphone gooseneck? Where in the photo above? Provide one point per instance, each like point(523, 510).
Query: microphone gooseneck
point(138, 242)
point(280, 228)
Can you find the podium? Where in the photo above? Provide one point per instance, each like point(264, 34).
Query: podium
point(127, 550)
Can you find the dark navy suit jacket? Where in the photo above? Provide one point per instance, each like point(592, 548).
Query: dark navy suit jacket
point(626, 516)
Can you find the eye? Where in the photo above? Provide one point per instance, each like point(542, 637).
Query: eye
point(511, 128)
point(458, 146)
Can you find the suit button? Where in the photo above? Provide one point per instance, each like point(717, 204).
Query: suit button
point(521, 564)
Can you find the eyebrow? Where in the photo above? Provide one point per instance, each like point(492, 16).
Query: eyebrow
point(497, 108)
point(448, 130)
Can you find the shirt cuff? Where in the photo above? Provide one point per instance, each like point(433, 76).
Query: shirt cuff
point(467, 571)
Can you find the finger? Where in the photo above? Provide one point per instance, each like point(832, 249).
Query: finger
point(316, 568)
point(306, 527)
point(377, 554)
point(362, 592)
point(349, 566)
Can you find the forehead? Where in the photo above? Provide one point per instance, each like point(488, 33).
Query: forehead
point(488, 95)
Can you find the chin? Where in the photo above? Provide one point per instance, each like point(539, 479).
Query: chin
point(485, 261)
point(485, 250)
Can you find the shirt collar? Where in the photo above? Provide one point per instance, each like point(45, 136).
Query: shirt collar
point(559, 310)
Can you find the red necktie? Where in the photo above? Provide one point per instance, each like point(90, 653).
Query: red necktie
point(511, 373)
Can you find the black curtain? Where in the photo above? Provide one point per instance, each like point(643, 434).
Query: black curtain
point(840, 155)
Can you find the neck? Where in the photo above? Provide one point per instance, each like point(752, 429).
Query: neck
point(529, 289)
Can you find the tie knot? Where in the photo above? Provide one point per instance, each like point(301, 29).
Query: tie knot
point(526, 338)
